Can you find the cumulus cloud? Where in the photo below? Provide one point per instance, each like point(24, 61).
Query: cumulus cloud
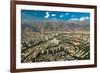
point(47, 15)
point(80, 19)
point(61, 16)
point(53, 14)
point(72, 16)
point(66, 13)
point(83, 18)
point(75, 19)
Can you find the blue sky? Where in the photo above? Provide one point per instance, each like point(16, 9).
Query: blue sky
point(54, 15)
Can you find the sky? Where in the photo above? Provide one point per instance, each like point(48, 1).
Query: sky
point(54, 15)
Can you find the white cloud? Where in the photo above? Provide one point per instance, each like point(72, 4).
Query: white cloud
point(47, 15)
point(75, 19)
point(66, 13)
point(61, 16)
point(79, 19)
point(53, 14)
point(72, 16)
point(84, 18)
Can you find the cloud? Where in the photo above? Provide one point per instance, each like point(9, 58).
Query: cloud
point(83, 18)
point(53, 14)
point(47, 15)
point(74, 19)
point(61, 16)
point(79, 19)
point(72, 16)
point(66, 13)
